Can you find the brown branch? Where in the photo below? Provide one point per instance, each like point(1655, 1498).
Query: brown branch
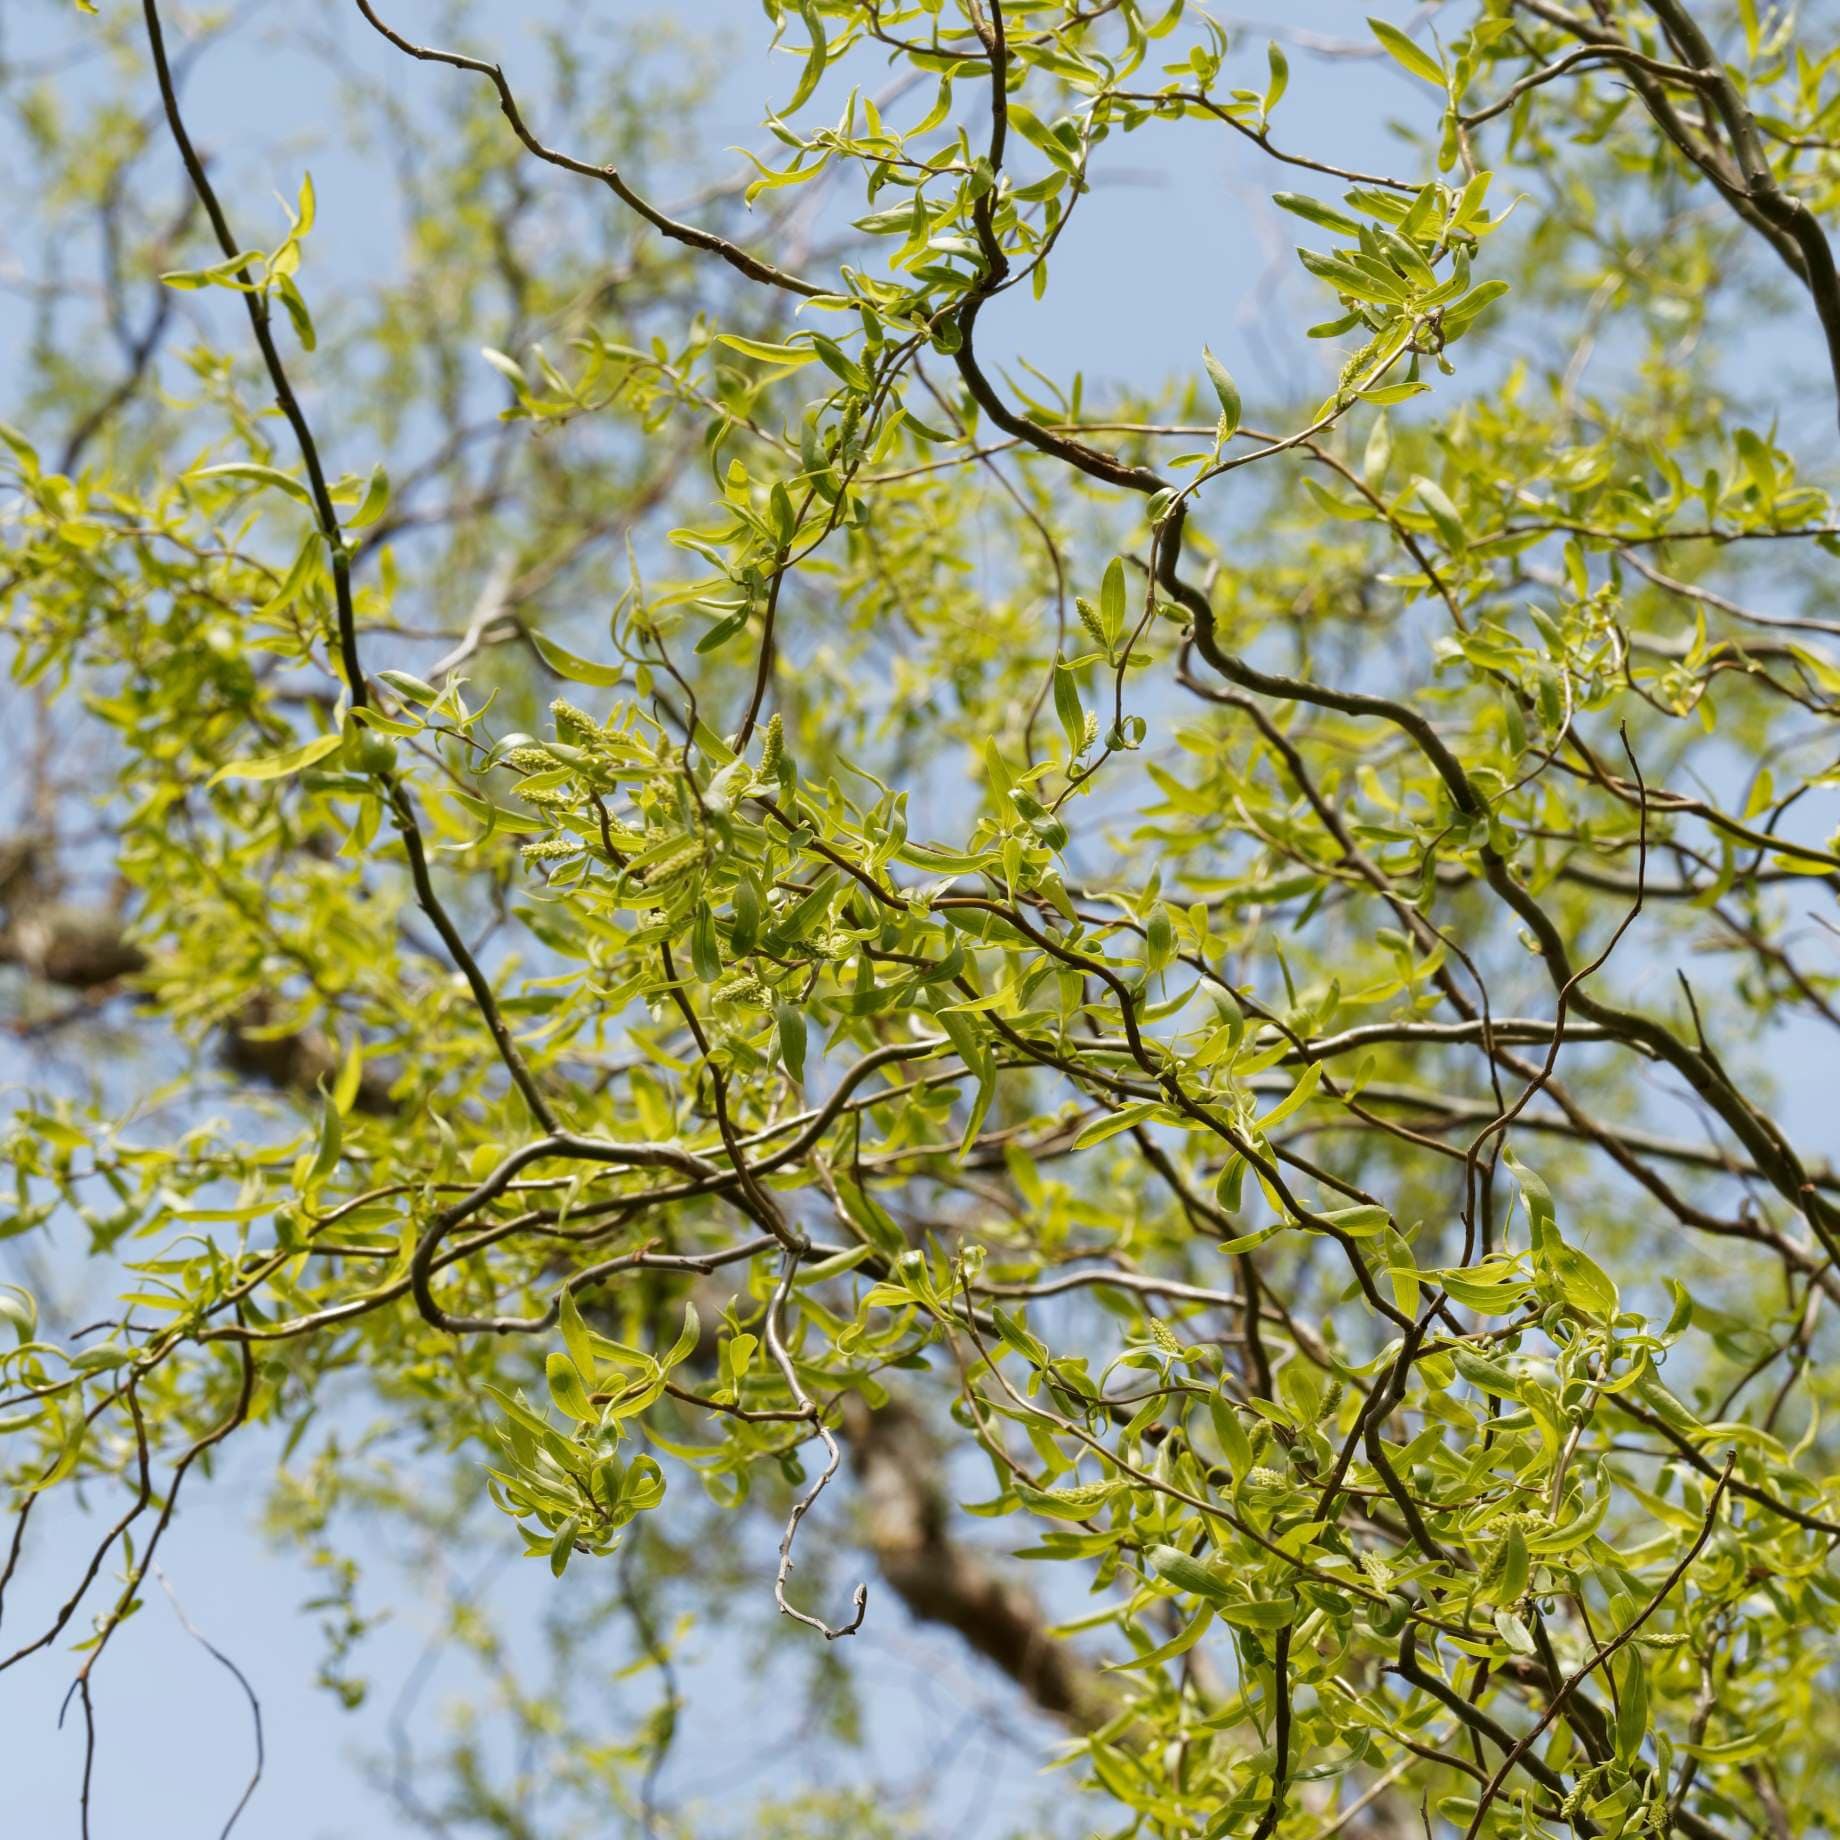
point(751, 266)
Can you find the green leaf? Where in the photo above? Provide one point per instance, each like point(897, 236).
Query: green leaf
point(376, 498)
point(575, 1336)
point(791, 1023)
point(1244, 1242)
point(1298, 1097)
point(1419, 62)
point(1112, 601)
point(1067, 707)
point(1313, 211)
point(519, 1410)
point(563, 1546)
point(814, 59)
point(1390, 393)
point(1731, 1751)
point(279, 766)
point(326, 1150)
point(1516, 1564)
point(1461, 315)
point(705, 948)
point(1234, 1443)
point(1514, 1632)
point(1584, 1284)
point(790, 356)
point(569, 1390)
point(724, 630)
point(1279, 67)
point(1538, 1199)
point(1631, 1704)
point(296, 306)
point(221, 274)
point(1171, 1650)
point(256, 475)
point(499, 817)
point(1347, 277)
point(1041, 137)
point(1443, 514)
point(410, 689)
point(20, 1308)
point(1228, 1186)
point(1490, 1376)
point(1357, 1222)
point(685, 1345)
point(1262, 1612)
point(1112, 1123)
point(1188, 1574)
point(1491, 1290)
point(577, 670)
point(1228, 392)
point(1574, 1532)
point(350, 1077)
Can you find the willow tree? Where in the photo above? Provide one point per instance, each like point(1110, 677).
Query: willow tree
point(738, 919)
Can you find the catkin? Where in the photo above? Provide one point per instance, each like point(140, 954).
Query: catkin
point(582, 727)
point(673, 862)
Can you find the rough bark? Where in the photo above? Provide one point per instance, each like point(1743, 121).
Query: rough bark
point(908, 1513)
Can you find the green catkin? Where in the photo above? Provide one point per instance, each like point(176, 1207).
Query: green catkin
point(1495, 1562)
point(1493, 1566)
point(1352, 370)
point(574, 724)
point(1089, 618)
point(744, 989)
point(1581, 1790)
point(773, 749)
point(552, 849)
point(673, 862)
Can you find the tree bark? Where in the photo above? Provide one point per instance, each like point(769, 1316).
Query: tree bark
point(908, 1514)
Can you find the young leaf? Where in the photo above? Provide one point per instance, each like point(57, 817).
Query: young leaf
point(791, 1023)
point(1228, 392)
point(1112, 601)
point(256, 475)
point(1067, 707)
point(376, 499)
point(1419, 62)
point(279, 766)
point(569, 1390)
point(576, 669)
point(1279, 67)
